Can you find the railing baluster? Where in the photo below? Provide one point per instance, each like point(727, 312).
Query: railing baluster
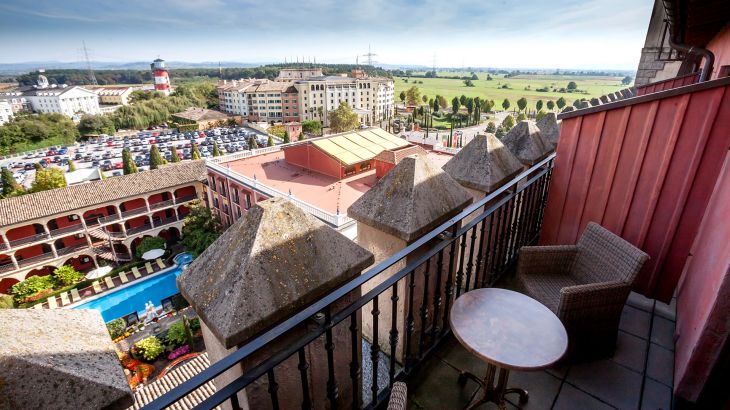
point(329, 347)
point(424, 309)
point(437, 295)
point(497, 241)
point(448, 290)
point(273, 389)
point(393, 332)
point(470, 264)
point(355, 361)
point(488, 252)
point(460, 272)
point(516, 220)
point(303, 367)
point(374, 350)
point(410, 325)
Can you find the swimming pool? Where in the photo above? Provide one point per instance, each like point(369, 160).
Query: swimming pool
point(132, 298)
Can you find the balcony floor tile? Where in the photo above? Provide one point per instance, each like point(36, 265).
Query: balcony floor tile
point(662, 332)
point(571, 398)
point(660, 365)
point(630, 351)
point(656, 396)
point(608, 381)
point(635, 321)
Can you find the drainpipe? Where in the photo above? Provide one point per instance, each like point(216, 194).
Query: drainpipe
point(703, 52)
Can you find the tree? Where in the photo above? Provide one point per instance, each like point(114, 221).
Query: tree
point(491, 127)
point(508, 123)
point(155, 157)
point(469, 83)
point(455, 105)
point(96, 124)
point(521, 117)
point(402, 96)
point(538, 105)
point(195, 153)
point(540, 115)
point(71, 166)
point(216, 150)
point(286, 137)
point(435, 104)
point(252, 144)
point(343, 119)
point(48, 178)
point(311, 127)
point(270, 141)
point(413, 94)
point(424, 98)
point(550, 105)
point(500, 132)
point(66, 275)
point(572, 85)
point(505, 104)
point(462, 99)
point(10, 185)
point(147, 244)
point(174, 157)
point(128, 165)
point(627, 80)
point(442, 102)
point(200, 228)
point(522, 103)
point(561, 103)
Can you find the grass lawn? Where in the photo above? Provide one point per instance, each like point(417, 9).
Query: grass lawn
point(593, 86)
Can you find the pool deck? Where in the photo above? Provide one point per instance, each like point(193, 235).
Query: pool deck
point(88, 294)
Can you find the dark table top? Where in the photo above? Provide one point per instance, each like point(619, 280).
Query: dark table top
point(508, 329)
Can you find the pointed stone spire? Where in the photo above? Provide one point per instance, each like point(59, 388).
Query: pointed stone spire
point(59, 359)
point(271, 263)
point(483, 164)
point(410, 200)
point(527, 143)
point(550, 128)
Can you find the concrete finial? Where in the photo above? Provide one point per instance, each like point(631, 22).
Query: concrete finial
point(59, 359)
point(413, 198)
point(271, 263)
point(483, 164)
point(550, 128)
point(527, 143)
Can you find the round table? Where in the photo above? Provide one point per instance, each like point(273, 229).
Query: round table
point(508, 331)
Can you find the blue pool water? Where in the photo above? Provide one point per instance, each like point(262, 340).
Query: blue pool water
point(124, 301)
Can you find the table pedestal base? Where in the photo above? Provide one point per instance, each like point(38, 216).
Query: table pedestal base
point(491, 392)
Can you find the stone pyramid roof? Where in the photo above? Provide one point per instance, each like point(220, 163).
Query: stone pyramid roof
point(483, 164)
point(527, 143)
point(59, 359)
point(273, 262)
point(550, 128)
point(410, 200)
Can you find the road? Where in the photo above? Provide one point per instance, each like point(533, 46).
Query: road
point(468, 132)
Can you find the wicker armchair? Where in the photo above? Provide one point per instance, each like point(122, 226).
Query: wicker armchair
point(398, 397)
point(586, 285)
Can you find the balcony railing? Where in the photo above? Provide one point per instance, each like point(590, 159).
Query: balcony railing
point(7, 267)
point(135, 211)
point(162, 204)
point(186, 198)
point(71, 249)
point(66, 230)
point(142, 228)
point(505, 220)
point(29, 239)
point(164, 221)
point(35, 259)
point(106, 219)
point(4, 246)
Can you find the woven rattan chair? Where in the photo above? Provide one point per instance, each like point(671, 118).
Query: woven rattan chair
point(586, 285)
point(398, 397)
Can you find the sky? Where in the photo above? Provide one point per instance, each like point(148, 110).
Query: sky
point(589, 34)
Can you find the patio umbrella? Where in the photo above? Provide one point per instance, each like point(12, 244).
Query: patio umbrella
point(153, 254)
point(98, 272)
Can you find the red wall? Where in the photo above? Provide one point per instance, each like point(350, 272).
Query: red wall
point(30, 252)
point(645, 171)
point(185, 191)
point(20, 232)
point(668, 84)
point(309, 157)
point(382, 168)
point(703, 298)
point(720, 46)
point(6, 284)
point(137, 222)
point(63, 221)
point(132, 204)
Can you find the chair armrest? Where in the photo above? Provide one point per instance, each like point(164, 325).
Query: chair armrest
point(592, 298)
point(546, 259)
point(398, 396)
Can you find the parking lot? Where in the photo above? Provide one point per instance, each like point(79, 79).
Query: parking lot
point(105, 152)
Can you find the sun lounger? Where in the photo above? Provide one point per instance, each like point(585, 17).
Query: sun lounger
point(96, 286)
point(136, 273)
point(64, 299)
point(52, 303)
point(38, 306)
point(148, 267)
point(75, 297)
point(109, 282)
point(123, 277)
point(160, 263)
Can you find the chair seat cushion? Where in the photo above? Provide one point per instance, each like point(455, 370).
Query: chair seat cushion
point(546, 288)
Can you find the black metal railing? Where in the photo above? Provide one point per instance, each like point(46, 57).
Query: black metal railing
point(66, 230)
point(473, 249)
point(29, 239)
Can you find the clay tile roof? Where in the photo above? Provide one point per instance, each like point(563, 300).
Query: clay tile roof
point(201, 114)
point(394, 156)
point(61, 200)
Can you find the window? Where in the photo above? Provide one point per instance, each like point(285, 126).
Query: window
point(211, 183)
point(724, 71)
point(248, 201)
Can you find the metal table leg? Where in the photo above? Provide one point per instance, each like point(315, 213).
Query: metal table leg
point(490, 392)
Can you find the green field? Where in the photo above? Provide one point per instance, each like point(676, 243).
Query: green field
point(518, 87)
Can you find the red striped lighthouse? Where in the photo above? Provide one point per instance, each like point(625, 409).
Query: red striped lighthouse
point(162, 78)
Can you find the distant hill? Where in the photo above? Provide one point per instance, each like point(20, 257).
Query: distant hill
point(26, 67)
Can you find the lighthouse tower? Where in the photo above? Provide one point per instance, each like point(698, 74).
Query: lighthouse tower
point(162, 78)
